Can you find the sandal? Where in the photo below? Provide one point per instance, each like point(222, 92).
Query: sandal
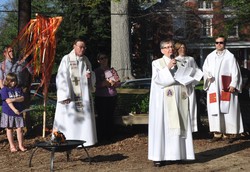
point(23, 149)
point(13, 149)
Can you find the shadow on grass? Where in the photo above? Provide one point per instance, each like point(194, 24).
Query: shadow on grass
point(106, 158)
point(212, 154)
point(123, 132)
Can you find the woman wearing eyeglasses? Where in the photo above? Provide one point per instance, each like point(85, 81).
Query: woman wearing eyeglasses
point(223, 82)
point(188, 61)
point(107, 80)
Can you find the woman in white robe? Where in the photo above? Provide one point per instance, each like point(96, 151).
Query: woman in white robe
point(76, 120)
point(188, 61)
point(170, 135)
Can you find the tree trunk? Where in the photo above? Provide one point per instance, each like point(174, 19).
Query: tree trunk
point(120, 56)
point(24, 13)
point(24, 16)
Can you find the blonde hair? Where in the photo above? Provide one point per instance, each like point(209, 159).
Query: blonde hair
point(177, 46)
point(10, 78)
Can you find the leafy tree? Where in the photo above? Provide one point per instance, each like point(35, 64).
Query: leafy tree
point(240, 11)
point(239, 8)
point(87, 19)
point(82, 18)
point(8, 24)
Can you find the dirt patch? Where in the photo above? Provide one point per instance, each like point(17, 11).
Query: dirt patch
point(127, 151)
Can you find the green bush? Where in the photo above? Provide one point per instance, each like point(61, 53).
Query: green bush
point(36, 115)
point(140, 104)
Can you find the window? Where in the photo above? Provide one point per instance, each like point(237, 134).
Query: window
point(206, 26)
point(233, 31)
point(179, 26)
point(205, 5)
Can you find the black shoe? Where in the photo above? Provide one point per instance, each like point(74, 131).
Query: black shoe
point(215, 139)
point(158, 163)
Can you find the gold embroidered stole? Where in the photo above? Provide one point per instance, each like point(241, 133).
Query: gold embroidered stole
point(177, 117)
point(76, 83)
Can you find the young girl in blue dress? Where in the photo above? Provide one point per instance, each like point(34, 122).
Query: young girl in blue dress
point(12, 118)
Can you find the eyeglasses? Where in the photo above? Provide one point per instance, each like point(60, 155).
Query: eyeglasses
point(219, 42)
point(168, 47)
point(81, 47)
point(102, 58)
point(9, 51)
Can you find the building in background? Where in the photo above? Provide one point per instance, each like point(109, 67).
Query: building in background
point(196, 22)
point(215, 18)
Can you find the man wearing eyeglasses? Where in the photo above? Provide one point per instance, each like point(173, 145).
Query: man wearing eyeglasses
point(223, 82)
point(170, 134)
point(75, 80)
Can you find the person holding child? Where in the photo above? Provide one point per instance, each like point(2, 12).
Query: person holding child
point(12, 106)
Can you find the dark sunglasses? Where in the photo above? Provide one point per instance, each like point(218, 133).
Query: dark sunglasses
point(102, 58)
point(219, 42)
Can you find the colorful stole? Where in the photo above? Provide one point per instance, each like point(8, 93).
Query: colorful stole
point(224, 96)
point(224, 102)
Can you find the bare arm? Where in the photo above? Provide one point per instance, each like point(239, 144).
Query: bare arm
point(17, 99)
point(12, 106)
point(1, 83)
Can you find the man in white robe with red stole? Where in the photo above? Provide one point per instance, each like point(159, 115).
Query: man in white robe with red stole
point(75, 80)
point(170, 134)
point(223, 82)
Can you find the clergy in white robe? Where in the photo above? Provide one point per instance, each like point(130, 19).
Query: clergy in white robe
point(74, 115)
point(223, 106)
point(188, 61)
point(170, 134)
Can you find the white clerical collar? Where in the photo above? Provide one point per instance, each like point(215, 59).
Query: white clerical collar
point(166, 57)
point(219, 53)
point(79, 58)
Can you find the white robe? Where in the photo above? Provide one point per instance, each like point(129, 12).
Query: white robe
point(188, 61)
point(73, 124)
point(162, 144)
point(215, 66)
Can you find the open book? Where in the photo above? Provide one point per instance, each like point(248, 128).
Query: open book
point(112, 75)
point(187, 75)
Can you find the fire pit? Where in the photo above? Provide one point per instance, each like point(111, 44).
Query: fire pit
point(67, 146)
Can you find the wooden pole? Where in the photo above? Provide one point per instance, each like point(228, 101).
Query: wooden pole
point(44, 116)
